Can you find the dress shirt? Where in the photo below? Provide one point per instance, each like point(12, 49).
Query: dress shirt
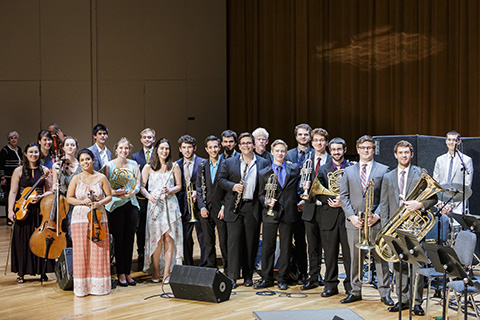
point(250, 179)
point(103, 156)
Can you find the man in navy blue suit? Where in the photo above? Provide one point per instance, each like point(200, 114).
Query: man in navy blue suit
point(99, 149)
point(142, 157)
point(189, 166)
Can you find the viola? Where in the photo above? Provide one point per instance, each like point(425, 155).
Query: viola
point(28, 194)
point(96, 232)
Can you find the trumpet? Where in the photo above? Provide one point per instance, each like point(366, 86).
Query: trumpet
point(242, 182)
point(364, 234)
point(190, 202)
point(270, 189)
point(305, 175)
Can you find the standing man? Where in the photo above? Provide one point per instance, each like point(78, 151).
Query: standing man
point(261, 140)
point(229, 141)
point(189, 166)
point(239, 178)
point(279, 211)
point(352, 197)
point(142, 157)
point(397, 185)
point(326, 225)
point(210, 201)
point(298, 155)
point(99, 149)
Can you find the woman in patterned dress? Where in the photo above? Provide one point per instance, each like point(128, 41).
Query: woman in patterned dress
point(164, 220)
point(91, 260)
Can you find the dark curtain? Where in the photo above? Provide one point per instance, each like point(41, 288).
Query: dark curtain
point(354, 67)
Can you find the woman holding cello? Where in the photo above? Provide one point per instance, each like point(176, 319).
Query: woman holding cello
point(28, 187)
point(89, 191)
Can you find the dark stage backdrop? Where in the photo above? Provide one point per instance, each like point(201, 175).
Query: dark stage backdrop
point(426, 151)
point(354, 67)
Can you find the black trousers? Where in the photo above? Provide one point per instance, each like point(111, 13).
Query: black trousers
point(300, 253)
point(243, 239)
point(188, 243)
point(123, 222)
point(208, 229)
point(142, 221)
point(269, 242)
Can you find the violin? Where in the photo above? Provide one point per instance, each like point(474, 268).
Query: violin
point(96, 232)
point(28, 194)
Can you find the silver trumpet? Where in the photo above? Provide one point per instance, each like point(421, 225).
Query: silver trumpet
point(270, 189)
point(305, 175)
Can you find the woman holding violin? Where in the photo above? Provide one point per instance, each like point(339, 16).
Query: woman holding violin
point(123, 175)
point(89, 191)
point(30, 183)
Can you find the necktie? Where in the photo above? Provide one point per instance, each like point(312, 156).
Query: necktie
point(317, 165)
point(187, 171)
point(450, 167)
point(401, 184)
point(363, 176)
point(279, 176)
point(148, 156)
point(301, 158)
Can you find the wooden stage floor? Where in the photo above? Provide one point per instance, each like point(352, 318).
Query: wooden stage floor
point(30, 300)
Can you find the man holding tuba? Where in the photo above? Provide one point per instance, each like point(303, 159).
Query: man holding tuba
point(278, 192)
point(353, 191)
point(397, 185)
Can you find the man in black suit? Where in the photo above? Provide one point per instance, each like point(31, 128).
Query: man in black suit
point(397, 185)
point(142, 157)
point(229, 142)
point(326, 225)
point(239, 178)
point(189, 166)
point(260, 135)
point(279, 211)
point(210, 201)
point(298, 155)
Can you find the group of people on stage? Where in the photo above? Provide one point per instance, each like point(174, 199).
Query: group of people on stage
point(243, 194)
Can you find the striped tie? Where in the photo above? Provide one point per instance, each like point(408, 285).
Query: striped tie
point(450, 167)
point(363, 176)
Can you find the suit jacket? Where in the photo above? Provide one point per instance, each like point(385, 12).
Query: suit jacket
point(97, 162)
point(139, 157)
point(266, 155)
point(229, 176)
point(292, 155)
point(214, 193)
point(182, 194)
point(285, 208)
point(352, 195)
point(389, 199)
point(329, 215)
point(440, 172)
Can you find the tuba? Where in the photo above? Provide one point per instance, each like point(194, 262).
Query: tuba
point(415, 222)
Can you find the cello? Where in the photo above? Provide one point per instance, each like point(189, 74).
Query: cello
point(28, 194)
point(96, 232)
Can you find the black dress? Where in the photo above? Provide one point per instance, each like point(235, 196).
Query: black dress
point(23, 260)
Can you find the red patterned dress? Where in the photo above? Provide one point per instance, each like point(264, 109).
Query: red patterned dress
point(91, 260)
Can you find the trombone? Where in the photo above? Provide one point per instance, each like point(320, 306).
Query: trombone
point(364, 234)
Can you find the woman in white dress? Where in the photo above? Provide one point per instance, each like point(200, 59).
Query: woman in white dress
point(164, 220)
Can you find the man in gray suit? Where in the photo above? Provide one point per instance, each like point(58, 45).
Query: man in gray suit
point(397, 185)
point(352, 197)
point(99, 149)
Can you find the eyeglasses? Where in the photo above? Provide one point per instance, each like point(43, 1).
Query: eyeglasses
point(366, 148)
point(245, 144)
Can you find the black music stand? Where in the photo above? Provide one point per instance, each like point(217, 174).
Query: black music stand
point(445, 260)
point(468, 222)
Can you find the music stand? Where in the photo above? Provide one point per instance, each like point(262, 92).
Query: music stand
point(445, 260)
point(468, 222)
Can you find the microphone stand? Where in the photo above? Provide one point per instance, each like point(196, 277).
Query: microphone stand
point(439, 214)
point(464, 172)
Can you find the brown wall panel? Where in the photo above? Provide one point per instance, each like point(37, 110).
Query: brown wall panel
point(68, 104)
point(20, 105)
point(19, 39)
point(65, 39)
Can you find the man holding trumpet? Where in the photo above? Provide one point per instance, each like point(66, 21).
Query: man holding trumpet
point(353, 192)
point(279, 197)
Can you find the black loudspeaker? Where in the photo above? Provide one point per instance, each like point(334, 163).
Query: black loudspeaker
point(198, 283)
point(64, 270)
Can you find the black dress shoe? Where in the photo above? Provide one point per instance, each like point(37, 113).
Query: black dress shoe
point(351, 298)
point(302, 279)
point(309, 285)
point(248, 283)
point(329, 292)
point(418, 310)
point(396, 307)
point(122, 284)
point(282, 286)
point(132, 283)
point(263, 284)
point(321, 283)
point(387, 301)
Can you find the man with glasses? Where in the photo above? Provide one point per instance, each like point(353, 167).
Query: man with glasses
point(239, 178)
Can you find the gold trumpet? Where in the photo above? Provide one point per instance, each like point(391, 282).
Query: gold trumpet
point(364, 234)
point(270, 189)
point(190, 202)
